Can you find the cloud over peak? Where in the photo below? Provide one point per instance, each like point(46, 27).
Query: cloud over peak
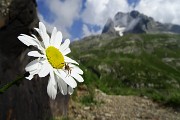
point(97, 12)
point(165, 11)
point(65, 13)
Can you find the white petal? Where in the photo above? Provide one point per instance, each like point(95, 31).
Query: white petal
point(52, 75)
point(35, 54)
point(42, 27)
point(36, 71)
point(37, 29)
point(77, 76)
point(25, 40)
point(45, 69)
point(62, 85)
point(65, 45)
point(68, 79)
point(58, 39)
point(33, 38)
point(28, 40)
point(40, 33)
point(70, 90)
point(41, 44)
point(51, 88)
point(33, 72)
point(32, 65)
point(76, 68)
point(67, 51)
point(43, 34)
point(53, 35)
point(29, 77)
point(69, 60)
point(35, 66)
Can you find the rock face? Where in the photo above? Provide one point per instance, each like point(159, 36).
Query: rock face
point(29, 100)
point(109, 26)
point(135, 22)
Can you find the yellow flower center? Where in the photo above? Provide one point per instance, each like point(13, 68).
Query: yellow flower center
point(55, 57)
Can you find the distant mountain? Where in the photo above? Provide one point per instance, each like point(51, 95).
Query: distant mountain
point(135, 22)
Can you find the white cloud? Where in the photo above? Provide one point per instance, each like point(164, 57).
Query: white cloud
point(87, 31)
point(165, 11)
point(49, 26)
point(65, 13)
point(98, 11)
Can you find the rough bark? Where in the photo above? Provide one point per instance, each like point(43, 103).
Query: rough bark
point(29, 100)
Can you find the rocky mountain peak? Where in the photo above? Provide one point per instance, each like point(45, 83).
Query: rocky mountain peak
point(109, 26)
point(134, 14)
point(136, 22)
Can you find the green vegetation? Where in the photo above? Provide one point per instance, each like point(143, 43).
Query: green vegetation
point(143, 65)
point(87, 100)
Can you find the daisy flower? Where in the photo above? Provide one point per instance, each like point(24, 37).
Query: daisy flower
point(52, 60)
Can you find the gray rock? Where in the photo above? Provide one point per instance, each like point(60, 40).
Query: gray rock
point(135, 22)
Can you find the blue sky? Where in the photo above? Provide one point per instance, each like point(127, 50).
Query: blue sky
point(133, 1)
point(79, 18)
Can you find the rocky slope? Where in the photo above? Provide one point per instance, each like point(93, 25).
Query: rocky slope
point(135, 22)
point(135, 64)
point(117, 107)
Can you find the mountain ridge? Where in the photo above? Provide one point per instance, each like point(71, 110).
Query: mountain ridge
point(136, 22)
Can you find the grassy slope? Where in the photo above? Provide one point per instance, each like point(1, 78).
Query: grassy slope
point(144, 65)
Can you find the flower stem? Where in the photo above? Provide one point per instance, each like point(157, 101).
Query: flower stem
point(16, 81)
point(65, 106)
